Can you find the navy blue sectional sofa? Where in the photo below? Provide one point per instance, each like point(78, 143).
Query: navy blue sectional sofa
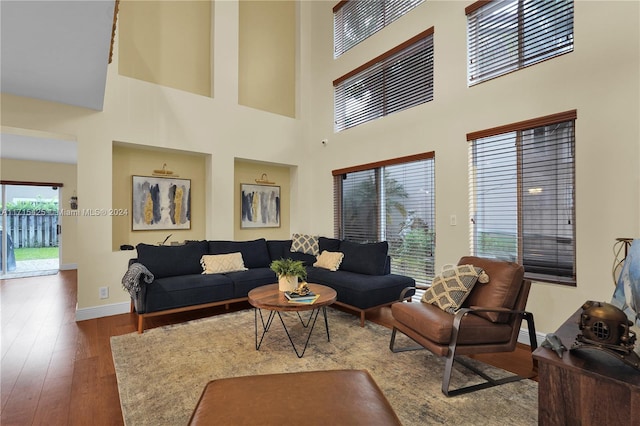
point(363, 281)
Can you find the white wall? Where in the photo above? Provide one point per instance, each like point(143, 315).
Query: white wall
point(600, 79)
point(143, 113)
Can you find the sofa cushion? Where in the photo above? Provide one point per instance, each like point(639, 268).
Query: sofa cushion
point(369, 258)
point(329, 260)
point(328, 244)
point(303, 243)
point(187, 290)
point(359, 290)
point(254, 253)
point(452, 286)
point(221, 263)
point(245, 281)
point(279, 249)
point(170, 261)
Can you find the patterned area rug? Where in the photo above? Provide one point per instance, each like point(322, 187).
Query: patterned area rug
point(162, 372)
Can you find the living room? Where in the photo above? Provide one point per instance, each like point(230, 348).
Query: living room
point(267, 115)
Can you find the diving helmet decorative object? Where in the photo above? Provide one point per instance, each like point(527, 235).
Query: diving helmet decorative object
point(605, 327)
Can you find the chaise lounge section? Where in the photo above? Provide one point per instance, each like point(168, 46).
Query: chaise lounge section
point(363, 280)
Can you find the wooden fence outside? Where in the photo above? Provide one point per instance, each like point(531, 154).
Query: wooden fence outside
point(33, 230)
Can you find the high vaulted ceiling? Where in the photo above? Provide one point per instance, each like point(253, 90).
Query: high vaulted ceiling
point(55, 51)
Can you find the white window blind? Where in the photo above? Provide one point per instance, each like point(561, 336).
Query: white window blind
point(506, 35)
point(356, 20)
point(522, 196)
point(391, 201)
point(397, 80)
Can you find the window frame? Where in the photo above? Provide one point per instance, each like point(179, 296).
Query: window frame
point(522, 126)
point(524, 56)
point(340, 174)
point(380, 66)
point(391, 11)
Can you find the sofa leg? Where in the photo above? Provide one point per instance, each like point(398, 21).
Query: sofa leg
point(140, 324)
point(226, 306)
point(132, 309)
point(362, 318)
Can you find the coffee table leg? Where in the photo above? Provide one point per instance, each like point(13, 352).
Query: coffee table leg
point(265, 326)
point(306, 343)
point(326, 322)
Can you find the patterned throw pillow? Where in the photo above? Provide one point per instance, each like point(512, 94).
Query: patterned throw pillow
point(329, 260)
point(221, 263)
point(304, 243)
point(450, 289)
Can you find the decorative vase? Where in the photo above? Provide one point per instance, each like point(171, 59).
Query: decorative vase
point(287, 282)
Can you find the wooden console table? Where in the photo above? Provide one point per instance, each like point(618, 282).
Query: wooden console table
point(585, 387)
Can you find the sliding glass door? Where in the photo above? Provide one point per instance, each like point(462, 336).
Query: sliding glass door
point(29, 230)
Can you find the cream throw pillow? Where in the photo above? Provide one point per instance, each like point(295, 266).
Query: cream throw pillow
point(330, 260)
point(450, 289)
point(221, 263)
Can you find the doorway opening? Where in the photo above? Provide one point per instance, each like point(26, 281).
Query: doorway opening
point(29, 230)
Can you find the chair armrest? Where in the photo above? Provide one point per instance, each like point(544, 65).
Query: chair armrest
point(526, 315)
point(403, 293)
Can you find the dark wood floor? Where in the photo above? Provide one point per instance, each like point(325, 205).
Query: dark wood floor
point(56, 371)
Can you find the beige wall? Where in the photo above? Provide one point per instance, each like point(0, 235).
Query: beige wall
point(248, 172)
point(129, 160)
point(600, 79)
point(38, 171)
point(157, 116)
point(167, 43)
point(267, 55)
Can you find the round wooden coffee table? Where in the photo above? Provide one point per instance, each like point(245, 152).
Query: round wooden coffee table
point(269, 298)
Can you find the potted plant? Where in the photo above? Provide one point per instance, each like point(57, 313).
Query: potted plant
point(288, 272)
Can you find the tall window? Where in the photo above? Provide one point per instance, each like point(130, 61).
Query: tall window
point(396, 80)
point(356, 20)
point(391, 201)
point(506, 35)
point(522, 196)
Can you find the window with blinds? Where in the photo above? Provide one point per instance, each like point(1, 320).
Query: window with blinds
point(507, 35)
point(354, 21)
point(397, 80)
point(522, 196)
point(391, 201)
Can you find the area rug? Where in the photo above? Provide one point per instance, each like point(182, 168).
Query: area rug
point(162, 372)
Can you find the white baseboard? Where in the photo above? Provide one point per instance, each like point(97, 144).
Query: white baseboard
point(68, 266)
point(102, 311)
point(523, 337)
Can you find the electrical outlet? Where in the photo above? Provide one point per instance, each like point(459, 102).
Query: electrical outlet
point(104, 292)
point(453, 220)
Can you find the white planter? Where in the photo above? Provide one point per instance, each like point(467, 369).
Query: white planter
point(287, 282)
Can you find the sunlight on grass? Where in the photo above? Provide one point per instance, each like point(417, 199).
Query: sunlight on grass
point(36, 253)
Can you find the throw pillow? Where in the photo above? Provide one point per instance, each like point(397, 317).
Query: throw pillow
point(369, 258)
point(329, 260)
point(221, 263)
point(450, 289)
point(304, 243)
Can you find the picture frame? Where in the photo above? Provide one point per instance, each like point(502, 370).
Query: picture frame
point(160, 203)
point(260, 206)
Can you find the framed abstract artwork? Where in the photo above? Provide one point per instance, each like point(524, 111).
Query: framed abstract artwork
point(160, 203)
point(260, 206)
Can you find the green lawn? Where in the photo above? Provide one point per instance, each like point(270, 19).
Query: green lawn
point(36, 253)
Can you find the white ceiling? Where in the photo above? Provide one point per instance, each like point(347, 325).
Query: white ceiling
point(19, 147)
point(55, 51)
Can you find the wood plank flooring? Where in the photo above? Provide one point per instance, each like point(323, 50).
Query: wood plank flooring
point(56, 371)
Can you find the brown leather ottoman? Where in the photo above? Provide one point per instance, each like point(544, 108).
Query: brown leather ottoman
point(335, 397)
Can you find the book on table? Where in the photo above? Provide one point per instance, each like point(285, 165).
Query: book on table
point(301, 298)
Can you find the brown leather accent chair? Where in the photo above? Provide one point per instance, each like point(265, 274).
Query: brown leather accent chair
point(488, 322)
